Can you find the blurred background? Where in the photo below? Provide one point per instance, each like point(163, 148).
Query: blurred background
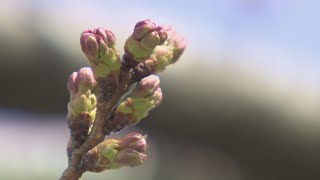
point(243, 102)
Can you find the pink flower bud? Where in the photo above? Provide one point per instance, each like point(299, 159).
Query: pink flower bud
point(178, 44)
point(146, 86)
point(145, 37)
point(92, 40)
point(143, 27)
point(113, 154)
point(85, 79)
point(130, 157)
point(71, 84)
point(135, 141)
point(89, 44)
point(162, 34)
point(106, 35)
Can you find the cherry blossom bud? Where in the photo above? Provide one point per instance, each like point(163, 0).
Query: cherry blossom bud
point(99, 47)
point(170, 51)
point(146, 86)
point(145, 37)
point(135, 141)
point(85, 79)
point(130, 157)
point(146, 96)
point(113, 153)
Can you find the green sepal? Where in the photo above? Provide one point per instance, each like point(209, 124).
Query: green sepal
point(123, 107)
point(100, 70)
point(109, 150)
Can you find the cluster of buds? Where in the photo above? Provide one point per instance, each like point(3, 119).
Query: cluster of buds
point(144, 39)
point(114, 153)
point(113, 94)
point(99, 47)
point(154, 47)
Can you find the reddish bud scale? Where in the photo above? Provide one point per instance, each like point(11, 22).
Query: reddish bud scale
point(79, 127)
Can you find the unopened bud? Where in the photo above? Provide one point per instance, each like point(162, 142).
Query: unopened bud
point(178, 44)
point(135, 141)
point(143, 99)
point(162, 34)
point(146, 36)
point(99, 47)
point(143, 27)
point(106, 35)
point(170, 51)
point(89, 44)
point(146, 86)
point(82, 81)
point(130, 157)
point(112, 153)
point(85, 79)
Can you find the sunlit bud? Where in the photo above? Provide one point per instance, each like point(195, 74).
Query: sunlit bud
point(85, 79)
point(99, 47)
point(163, 56)
point(81, 81)
point(170, 51)
point(146, 36)
point(146, 86)
point(143, 27)
point(106, 35)
point(178, 44)
point(89, 44)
